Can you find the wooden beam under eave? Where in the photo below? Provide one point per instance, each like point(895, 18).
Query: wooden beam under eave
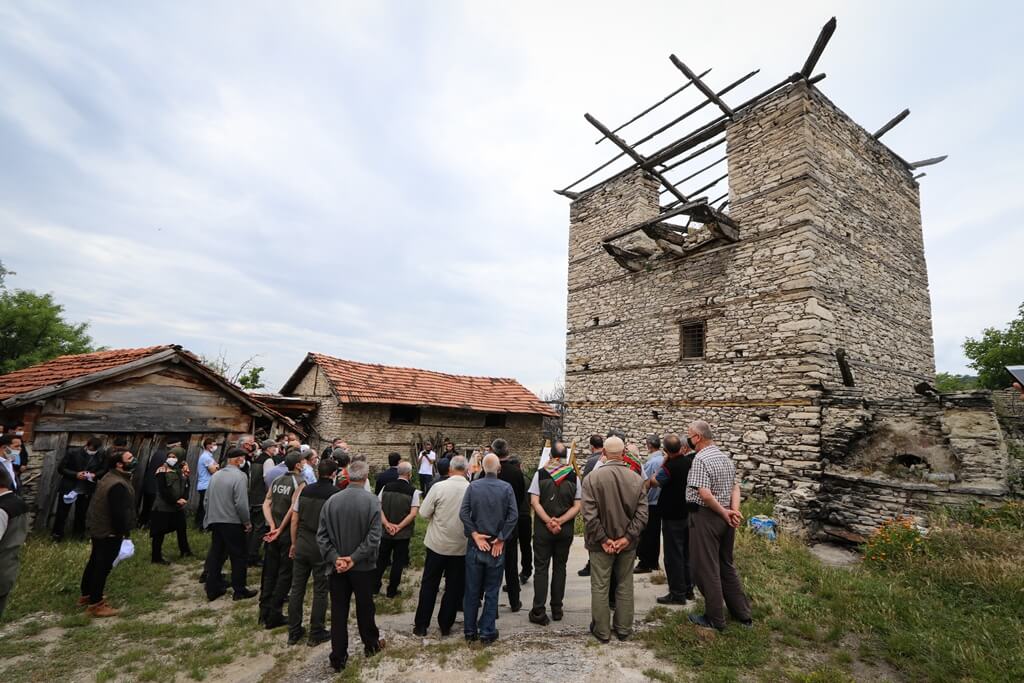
point(624, 257)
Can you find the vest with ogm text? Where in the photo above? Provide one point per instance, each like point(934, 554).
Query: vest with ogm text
point(556, 499)
point(395, 503)
point(281, 491)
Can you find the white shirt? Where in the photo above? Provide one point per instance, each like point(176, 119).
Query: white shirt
point(9, 466)
point(534, 489)
point(427, 463)
point(3, 518)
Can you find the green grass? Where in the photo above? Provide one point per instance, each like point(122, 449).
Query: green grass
point(952, 612)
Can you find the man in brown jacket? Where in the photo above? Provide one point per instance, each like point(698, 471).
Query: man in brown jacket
point(615, 514)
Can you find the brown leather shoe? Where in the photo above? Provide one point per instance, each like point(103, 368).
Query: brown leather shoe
point(83, 600)
point(101, 609)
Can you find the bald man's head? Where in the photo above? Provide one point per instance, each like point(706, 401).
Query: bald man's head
point(491, 463)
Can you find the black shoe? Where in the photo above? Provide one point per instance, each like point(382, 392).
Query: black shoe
point(213, 596)
point(556, 613)
point(445, 632)
point(604, 641)
point(244, 594)
point(160, 560)
point(690, 595)
point(524, 579)
point(472, 638)
point(584, 572)
point(371, 651)
point(621, 637)
point(539, 618)
point(419, 632)
point(274, 621)
point(702, 621)
point(317, 638)
point(338, 665)
point(749, 623)
point(489, 641)
point(640, 569)
point(296, 638)
point(515, 606)
point(670, 599)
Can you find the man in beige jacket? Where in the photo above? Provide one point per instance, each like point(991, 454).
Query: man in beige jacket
point(615, 514)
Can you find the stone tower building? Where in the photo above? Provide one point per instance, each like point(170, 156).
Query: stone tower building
point(739, 322)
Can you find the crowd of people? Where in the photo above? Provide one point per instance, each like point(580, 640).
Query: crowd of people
point(302, 514)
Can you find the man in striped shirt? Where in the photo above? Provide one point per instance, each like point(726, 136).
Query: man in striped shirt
point(712, 486)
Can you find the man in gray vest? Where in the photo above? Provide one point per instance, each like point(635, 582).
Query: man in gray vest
point(306, 557)
point(13, 530)
point(277, 565)
point(555, 496)
point(399, 503)
point(349, 537)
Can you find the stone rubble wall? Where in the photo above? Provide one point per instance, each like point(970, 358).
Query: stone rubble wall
point(368, 430)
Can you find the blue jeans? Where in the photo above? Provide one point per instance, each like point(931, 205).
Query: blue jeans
point(482, 571)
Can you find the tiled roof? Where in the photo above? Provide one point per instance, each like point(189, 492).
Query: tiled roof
point(370, 383)
point(64, 368)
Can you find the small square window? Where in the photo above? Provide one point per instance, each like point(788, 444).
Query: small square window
point(495, 420)
point(406, 415)
point(691, 339)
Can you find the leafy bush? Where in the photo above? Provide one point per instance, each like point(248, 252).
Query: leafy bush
point(893, 543)
point(1007, 516)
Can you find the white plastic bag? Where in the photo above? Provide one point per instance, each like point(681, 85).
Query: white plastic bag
point(126, 551)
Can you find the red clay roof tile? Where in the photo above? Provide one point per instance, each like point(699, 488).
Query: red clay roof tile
point(370, 383)
point(66, 368)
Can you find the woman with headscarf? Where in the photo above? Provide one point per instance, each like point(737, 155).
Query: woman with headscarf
point(169, 506)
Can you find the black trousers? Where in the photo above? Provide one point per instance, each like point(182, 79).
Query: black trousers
point(425, 481)
point(81, 505)
point(453, 568)
point(97, 569)
point(677, 556)
point(394, 552)
point(512, 567)
point(255, 537)
point(649, 549)
point(524, 529)
point(343, 587)
point(227, 541)
point(146, 501)
point(201, 509)
point(163, 523)
point(549, 552)
point(277, 576)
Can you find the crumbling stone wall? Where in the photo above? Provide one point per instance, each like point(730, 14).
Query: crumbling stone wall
point(830, 256)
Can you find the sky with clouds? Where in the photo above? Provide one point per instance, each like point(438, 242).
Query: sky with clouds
point(373, 180)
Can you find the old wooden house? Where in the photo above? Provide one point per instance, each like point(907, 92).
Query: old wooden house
point(380, 409)
point(144, 397)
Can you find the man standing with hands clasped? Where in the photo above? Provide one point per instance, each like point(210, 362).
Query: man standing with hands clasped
point(349, 538)
point(614, 514)
point(489, 514)
point(712, 486)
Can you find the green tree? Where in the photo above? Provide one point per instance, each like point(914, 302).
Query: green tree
point(995, 350)
point(946, 382)
point(251, 379)
point(33, 330)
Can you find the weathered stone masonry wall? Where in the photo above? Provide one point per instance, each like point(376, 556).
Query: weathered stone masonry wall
point(367, 428)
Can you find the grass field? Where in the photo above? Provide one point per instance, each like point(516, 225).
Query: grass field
point(948, 607)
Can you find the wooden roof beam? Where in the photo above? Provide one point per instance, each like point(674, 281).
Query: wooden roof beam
point(928, 162)
point(819, 47)
point(891, 124)
point(654, 106)
point(708, 92)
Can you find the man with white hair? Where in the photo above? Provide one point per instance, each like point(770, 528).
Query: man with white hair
point(711, 485)
point(349, 538)
point(614, 515)
point(445, 543)
point(399, 503)
point(489, 514)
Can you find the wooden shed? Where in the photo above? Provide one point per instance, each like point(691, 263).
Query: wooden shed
point(142, 396)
